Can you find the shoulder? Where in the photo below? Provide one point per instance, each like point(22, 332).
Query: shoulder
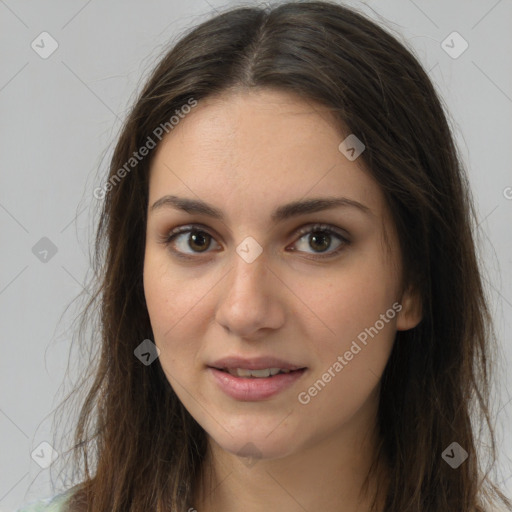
point(53, 504)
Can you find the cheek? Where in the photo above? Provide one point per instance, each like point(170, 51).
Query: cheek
point(347, 370)
point(170, 295)
point(354, 319)
point(349, 298)
point(169, 300)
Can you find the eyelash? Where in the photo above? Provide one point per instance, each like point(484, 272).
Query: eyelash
point(315, 228)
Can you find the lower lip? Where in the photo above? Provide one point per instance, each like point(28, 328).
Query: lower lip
point(253, 388)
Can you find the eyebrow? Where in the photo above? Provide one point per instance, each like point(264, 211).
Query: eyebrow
point(281, 213)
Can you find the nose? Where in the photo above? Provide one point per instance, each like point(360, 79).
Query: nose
point(250, 298)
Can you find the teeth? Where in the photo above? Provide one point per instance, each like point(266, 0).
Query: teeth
point(267, 372)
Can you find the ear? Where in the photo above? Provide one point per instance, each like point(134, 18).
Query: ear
point(411, 313)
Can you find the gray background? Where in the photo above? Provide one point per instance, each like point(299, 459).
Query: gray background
point(61, 115)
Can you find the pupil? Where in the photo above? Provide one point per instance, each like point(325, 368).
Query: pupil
point(199, 237)
point(326, 238)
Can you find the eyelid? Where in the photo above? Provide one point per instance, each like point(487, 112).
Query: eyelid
point(319, 226)
point(310, 227)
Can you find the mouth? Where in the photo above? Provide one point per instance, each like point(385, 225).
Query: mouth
point(249, 385)
point(257, 374)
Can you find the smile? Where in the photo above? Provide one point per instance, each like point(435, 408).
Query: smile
point(244, 372)
point(253, 385)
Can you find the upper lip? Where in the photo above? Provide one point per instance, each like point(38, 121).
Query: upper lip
point(256, 363)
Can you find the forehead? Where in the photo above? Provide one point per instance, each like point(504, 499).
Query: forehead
point(253, 150)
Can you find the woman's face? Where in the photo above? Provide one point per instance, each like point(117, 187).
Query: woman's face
point(252, 285)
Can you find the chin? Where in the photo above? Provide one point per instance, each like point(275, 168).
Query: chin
point(255, 444)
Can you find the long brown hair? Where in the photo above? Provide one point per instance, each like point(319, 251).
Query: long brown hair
point(146, 448)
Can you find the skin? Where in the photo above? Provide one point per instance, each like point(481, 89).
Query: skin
point(248, 152)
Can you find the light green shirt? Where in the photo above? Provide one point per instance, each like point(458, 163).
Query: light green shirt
point(54, 504)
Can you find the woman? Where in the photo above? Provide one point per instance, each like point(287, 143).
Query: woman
point(330, 347)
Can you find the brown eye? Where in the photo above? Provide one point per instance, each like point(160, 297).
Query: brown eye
point(320, 238)
point(187, 241)
point(197, 240)
point(320, 241)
